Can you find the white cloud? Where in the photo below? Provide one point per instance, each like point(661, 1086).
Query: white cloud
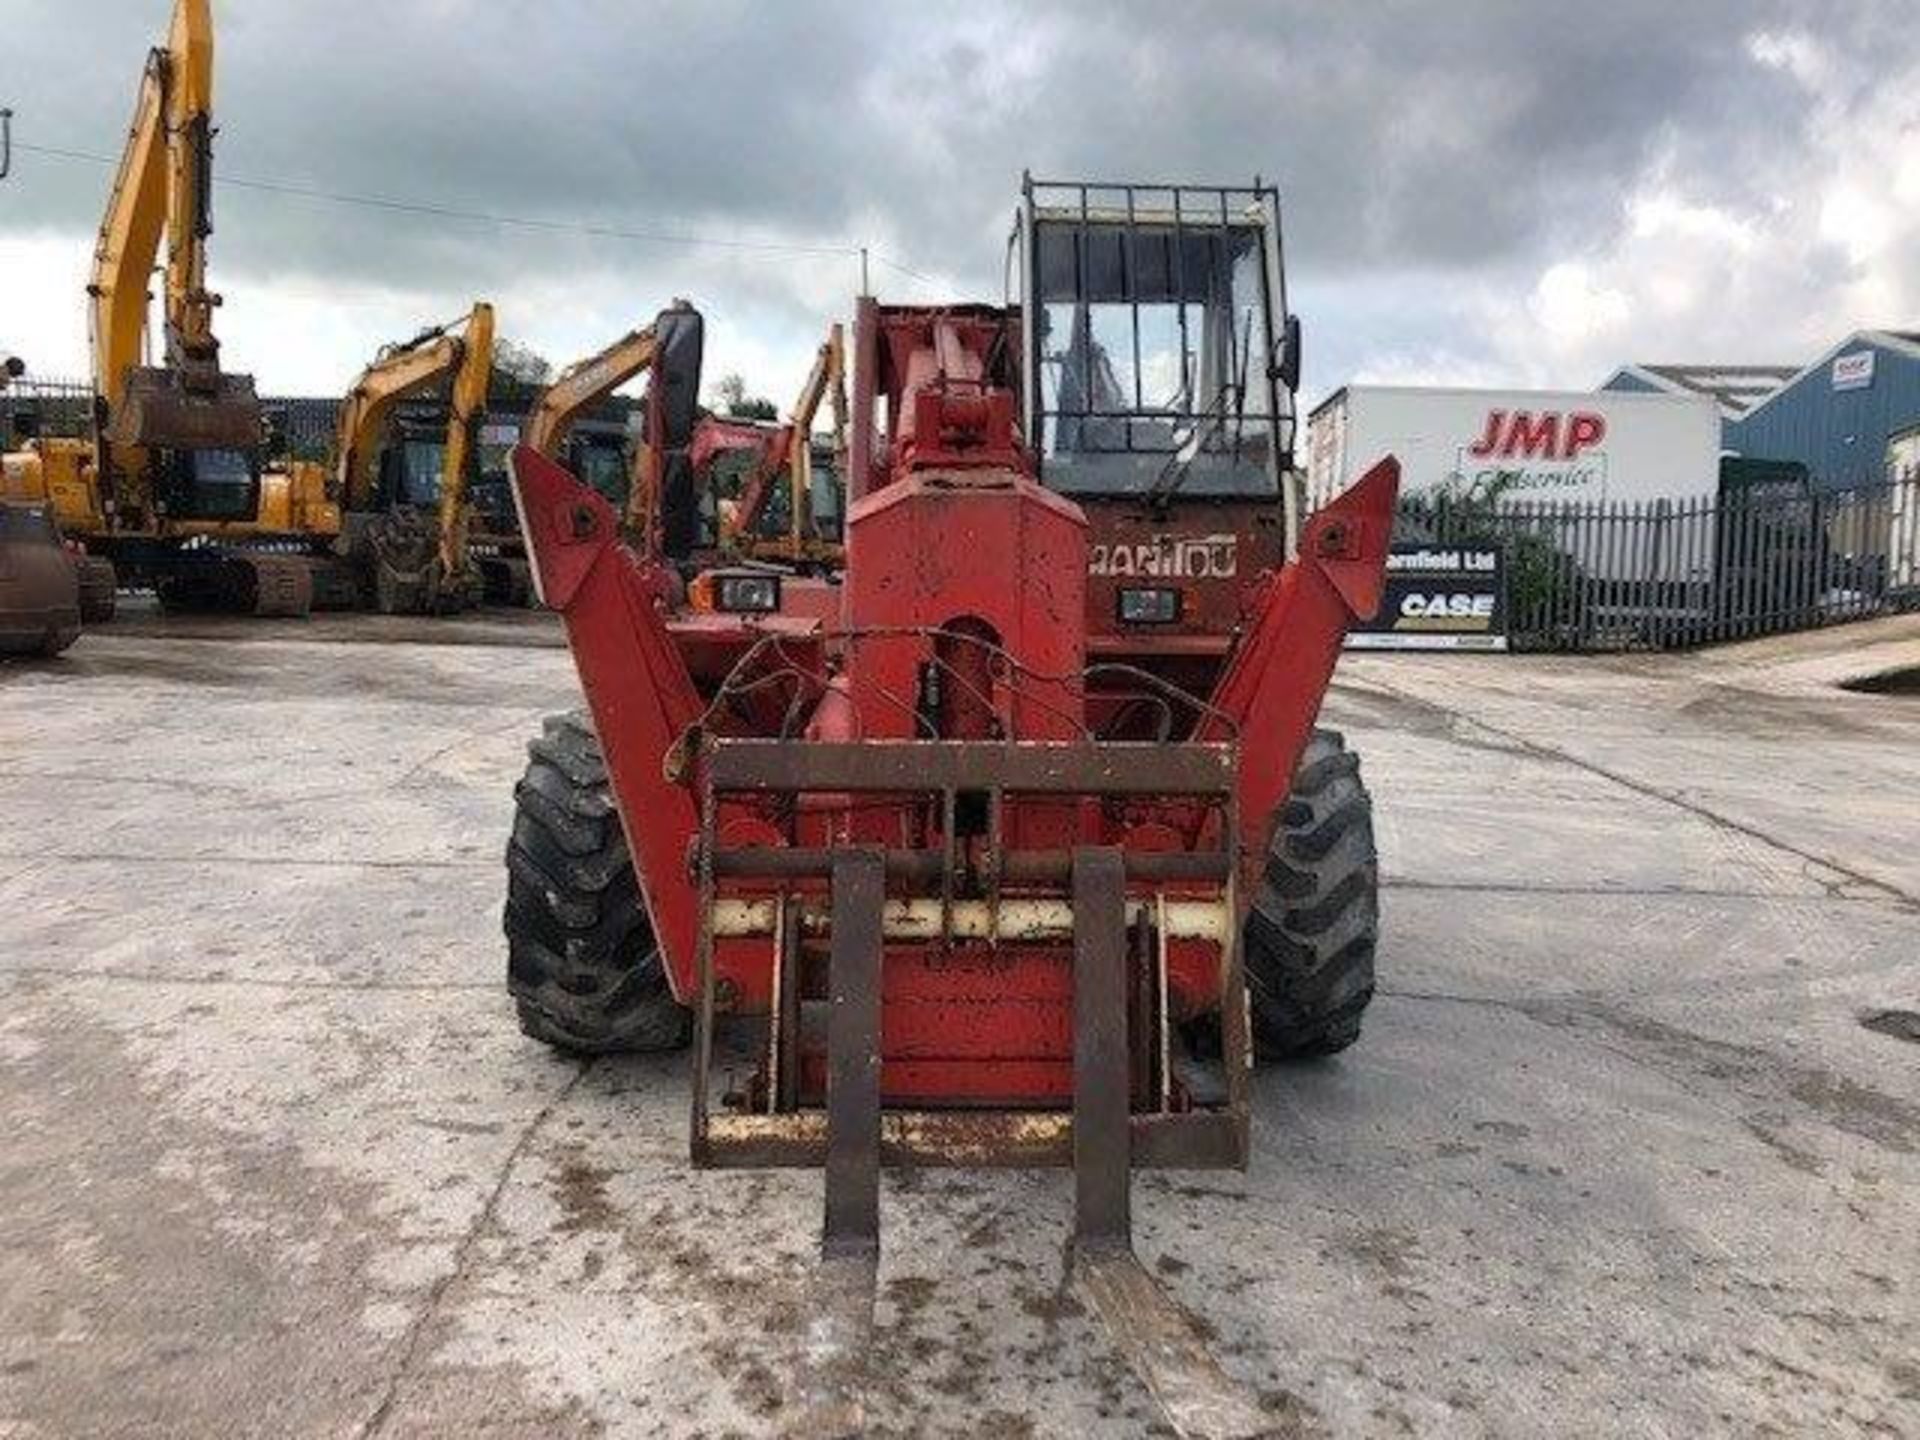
point(1765, 267)
point(1575, 309)
point(1470, 197)
point(45, 312)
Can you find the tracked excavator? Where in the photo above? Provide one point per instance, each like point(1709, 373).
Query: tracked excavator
point(631, 476)
point(775, 522)
point(171, 489)
point(405, 494)
point(1024, 853)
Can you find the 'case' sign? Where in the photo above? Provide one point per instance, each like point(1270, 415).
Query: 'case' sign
point(1853, 372)
point(1439, 597)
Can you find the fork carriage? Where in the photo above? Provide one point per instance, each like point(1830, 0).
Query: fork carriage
point(977, 966)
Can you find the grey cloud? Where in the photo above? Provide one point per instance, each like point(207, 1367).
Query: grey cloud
point(1458, 144)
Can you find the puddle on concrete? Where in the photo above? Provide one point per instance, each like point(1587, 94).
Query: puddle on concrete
point(1900, 1024)
point(1904, 681)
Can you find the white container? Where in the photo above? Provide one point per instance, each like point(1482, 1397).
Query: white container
point(1522, 446)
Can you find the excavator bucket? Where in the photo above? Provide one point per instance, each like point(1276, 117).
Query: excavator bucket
point(158, 411)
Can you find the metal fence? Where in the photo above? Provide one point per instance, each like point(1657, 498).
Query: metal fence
point(32, 406)
point(1672, 574)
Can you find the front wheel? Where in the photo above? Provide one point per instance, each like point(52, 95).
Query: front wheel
point(582, 966)
point(1315, 920)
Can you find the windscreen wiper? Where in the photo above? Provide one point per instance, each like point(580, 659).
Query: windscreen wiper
point(1174, 473)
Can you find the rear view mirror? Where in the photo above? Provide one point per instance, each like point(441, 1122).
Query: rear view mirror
point(1287, 365)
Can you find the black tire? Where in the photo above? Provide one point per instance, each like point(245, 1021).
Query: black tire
point(582, 965)
point(1315, 921)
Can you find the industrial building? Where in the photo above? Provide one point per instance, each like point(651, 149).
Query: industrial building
point(1736, 389)
point(1834, 416)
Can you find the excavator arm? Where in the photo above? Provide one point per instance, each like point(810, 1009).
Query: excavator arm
point(191, 348)
point(792, 451)
point(585, 383)
point(469, 406)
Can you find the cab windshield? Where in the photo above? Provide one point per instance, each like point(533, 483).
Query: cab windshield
point(603, 466)
point(1151, 344)
point(419, 478)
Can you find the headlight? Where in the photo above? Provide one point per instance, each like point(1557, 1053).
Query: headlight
point(1149, 607)
point(747, 594)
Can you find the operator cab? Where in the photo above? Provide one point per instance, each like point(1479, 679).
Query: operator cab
point(410, 473)
point(220, 484)
point(1155, 365)
point(600, 460)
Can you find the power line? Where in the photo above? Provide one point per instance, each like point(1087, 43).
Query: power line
point(524, 222)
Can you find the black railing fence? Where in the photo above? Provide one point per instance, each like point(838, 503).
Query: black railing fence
point(1669, 574)
point(55, 408)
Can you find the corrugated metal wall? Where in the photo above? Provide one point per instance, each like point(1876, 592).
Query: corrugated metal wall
point(1839, 435)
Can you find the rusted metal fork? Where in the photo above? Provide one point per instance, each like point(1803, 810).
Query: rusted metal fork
point(839, 1333)
point(1158, 1338)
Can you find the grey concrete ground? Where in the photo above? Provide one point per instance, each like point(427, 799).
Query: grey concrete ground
point(1615, 1156)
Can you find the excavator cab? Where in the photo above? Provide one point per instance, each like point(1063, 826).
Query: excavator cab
point(210, 484)
point(410, 467)
point(599, 458)
point(1157, 363)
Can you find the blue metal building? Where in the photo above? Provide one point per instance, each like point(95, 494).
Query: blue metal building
point(1735, 388)
point(1836, 416)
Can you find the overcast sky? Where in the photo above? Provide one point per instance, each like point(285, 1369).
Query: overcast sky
point(1473, 192)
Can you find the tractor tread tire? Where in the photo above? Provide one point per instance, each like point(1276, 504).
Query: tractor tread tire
point(99, 584)
point(582, 966)
point(1314, 923)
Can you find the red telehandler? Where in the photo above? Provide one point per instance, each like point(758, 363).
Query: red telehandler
point(1022, 857)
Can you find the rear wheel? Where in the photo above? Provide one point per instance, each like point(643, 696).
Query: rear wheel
point(1315, 920)
point(582, 967)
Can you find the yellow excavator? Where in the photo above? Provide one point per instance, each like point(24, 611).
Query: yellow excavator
point(170, 488)
point(406, 496)
point(753, 526)
point(671, 349)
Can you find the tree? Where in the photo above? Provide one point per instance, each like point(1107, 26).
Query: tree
point(521, 363)
point(732, 390)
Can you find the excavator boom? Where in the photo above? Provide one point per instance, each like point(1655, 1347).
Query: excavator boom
point(129, 238)
point(585, 383)
point(791, 450)
point(165, 185)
